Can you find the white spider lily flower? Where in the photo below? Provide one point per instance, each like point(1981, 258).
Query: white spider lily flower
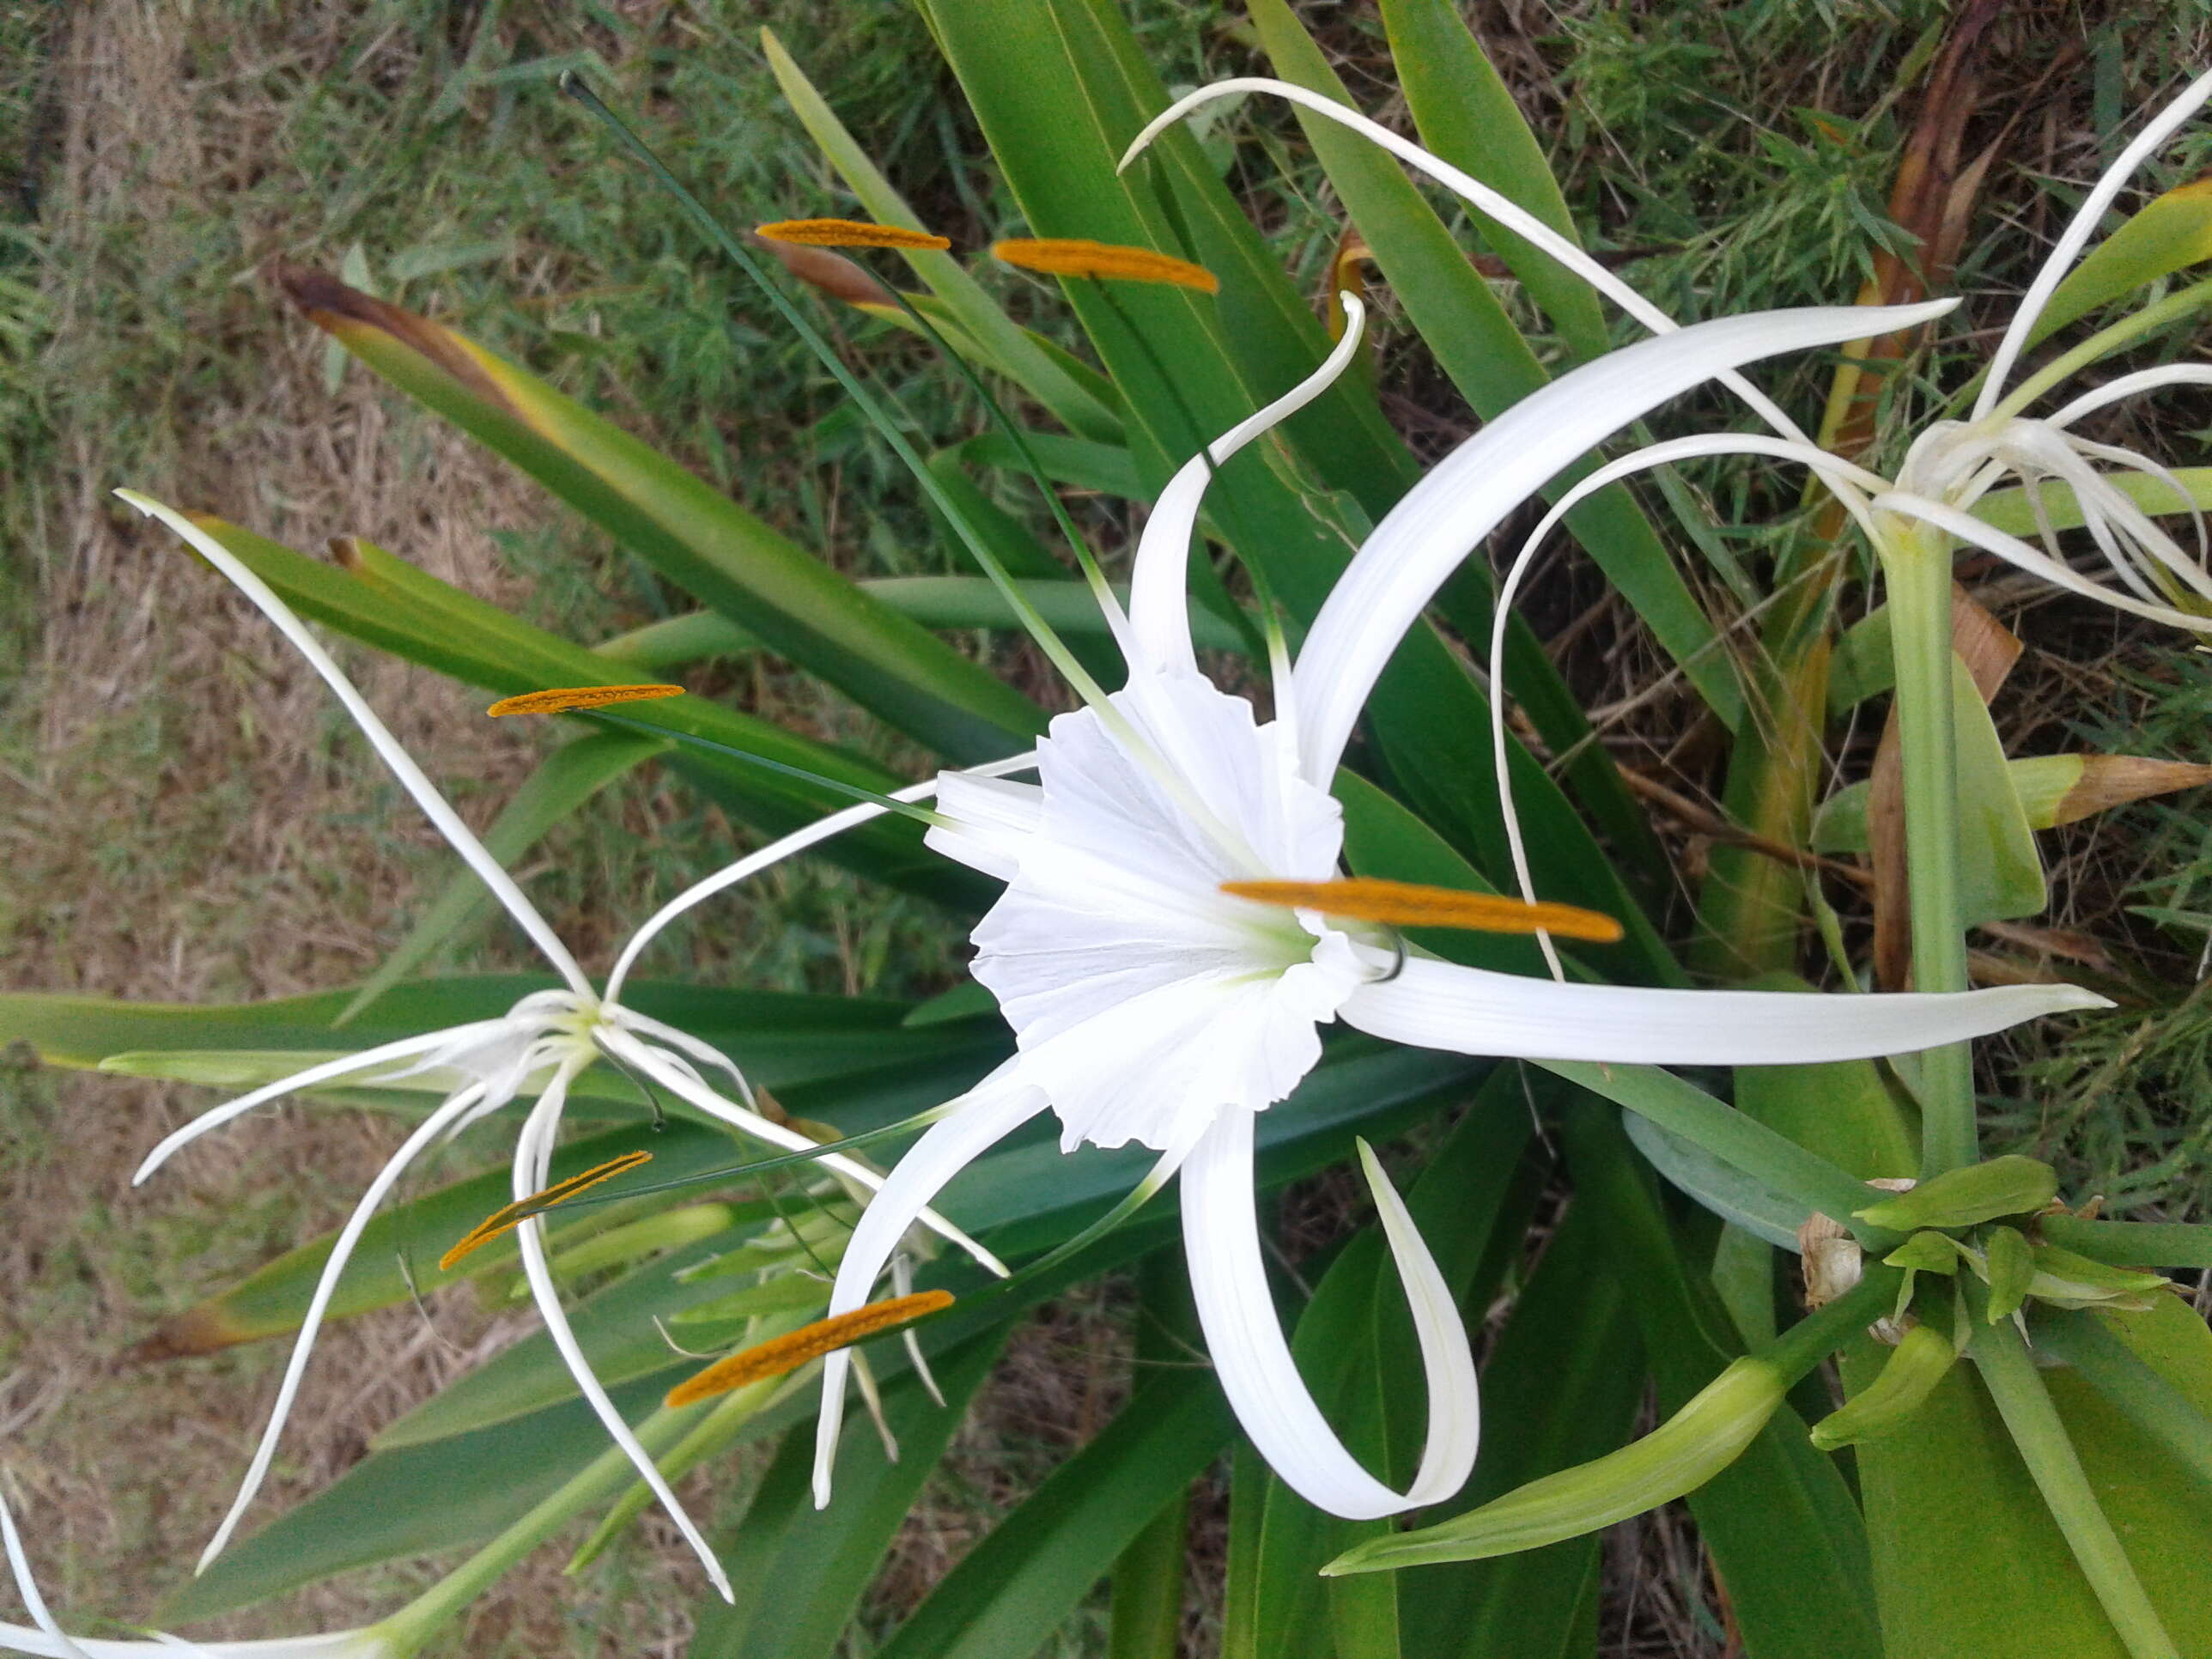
point(539, 1046)
point(1150, 1005)
point(1952, 464)
point(45, 1635)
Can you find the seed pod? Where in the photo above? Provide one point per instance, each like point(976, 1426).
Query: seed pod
point(2009, 1264)
point(1965, 1198)
point(1680, 1456)
point(1917, 1366)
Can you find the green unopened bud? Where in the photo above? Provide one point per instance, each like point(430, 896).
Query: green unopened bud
point(1680, 1456)
point(1927, 1253)
point(1965, 1198)
point(1907, 1377)
point(2009, 1265)
point(2067, 1280)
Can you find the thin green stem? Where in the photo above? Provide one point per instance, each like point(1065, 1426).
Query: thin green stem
point(2000, 1353)
point(1916, 567)
point(605, 1477)
point(2102, 344)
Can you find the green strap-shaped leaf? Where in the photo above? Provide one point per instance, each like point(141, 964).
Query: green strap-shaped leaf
point(1467, 116)
point(1011, 347)
point(1784, 1535)
point(1476, 343)
point(799, 1573)
point(1355, 1348)
point(2169, 233)
point(1012, 1591)
point(389, 604)
point(563, 781)
point(686, 529)
point(1563, 1386)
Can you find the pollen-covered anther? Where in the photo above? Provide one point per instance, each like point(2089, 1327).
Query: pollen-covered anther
point(792, 1350)
point(1057, 256)
point(848, 232)
point(569, 699)
point(509, 1217)
point(1409, 904)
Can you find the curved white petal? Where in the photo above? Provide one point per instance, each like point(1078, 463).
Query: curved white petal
point(2077, 234)
point(215, 1116)
point(994, 1109)
point(774, 853)
point(988, 821)
point(1159, 597)
point(1485, 200)
point(1465, 496)
point(1970, 529)
point(402, 765)
point(1144, 997)
point(533, 1162)
point(1659, 454)
point(2127, 386)
point(688, 1086)
point(425, 1134)
point(1473, 1011)
point(2140, 524)
point(50, 1636)
point(1257, 1371)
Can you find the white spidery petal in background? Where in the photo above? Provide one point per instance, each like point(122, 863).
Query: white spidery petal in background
point(46, 1638)
point(538, 1047)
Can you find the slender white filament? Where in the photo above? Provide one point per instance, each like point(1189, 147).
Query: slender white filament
point(2076, 235)
point(364, 1210)
point(402, 765)
point(533, 1164)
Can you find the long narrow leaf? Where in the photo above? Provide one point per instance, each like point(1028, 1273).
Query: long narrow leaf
point(690, 532)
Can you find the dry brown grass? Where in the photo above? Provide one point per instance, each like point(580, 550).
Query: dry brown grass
point(195, 824)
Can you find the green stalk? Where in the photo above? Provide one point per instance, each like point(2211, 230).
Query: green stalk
point(605, 1477)
point(1917, 569)
point(2000, 1353)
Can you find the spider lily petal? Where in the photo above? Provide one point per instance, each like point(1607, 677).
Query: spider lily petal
point(1159, 605)
point(1970, 529)
point(987, 1115)
point(1236, 1311)
point(2076, 235)
point(49, 1640)
point(1465, 495)
point(533, 1170)
point(1473, 1011)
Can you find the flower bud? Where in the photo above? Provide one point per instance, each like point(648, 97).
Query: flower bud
point(1910, 1373)
point(2009, 1265)
point(2068, 1280)
point(1963, 1198)
point(1680, 1456)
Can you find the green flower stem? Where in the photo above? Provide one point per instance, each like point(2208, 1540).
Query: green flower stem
point(2138, 1393)
point(2000, 1353)
point(2102, 344)
point(1916, 567)
point(605, 1477)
